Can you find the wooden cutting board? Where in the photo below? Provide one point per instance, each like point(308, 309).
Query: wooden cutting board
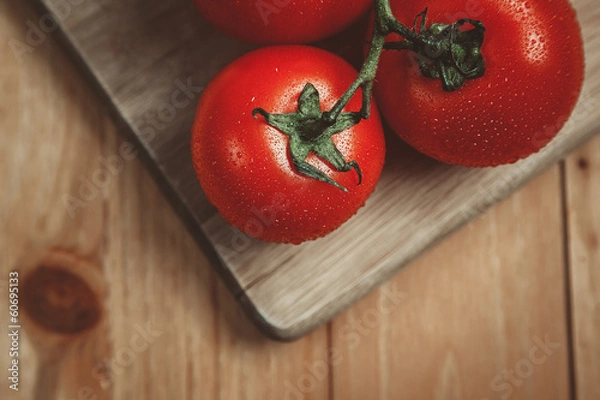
point(149, 61)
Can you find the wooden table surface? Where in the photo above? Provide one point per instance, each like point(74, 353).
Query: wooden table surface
point(117, 302)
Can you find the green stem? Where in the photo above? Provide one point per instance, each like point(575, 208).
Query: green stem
point(384, 24)
point(368, 70)
point(445, 52)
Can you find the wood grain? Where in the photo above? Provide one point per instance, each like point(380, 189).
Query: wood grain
point(169, 328)
point(40, 144)
point(143, 62)
point(472, 311)
point(583, 192)
point(443, 328)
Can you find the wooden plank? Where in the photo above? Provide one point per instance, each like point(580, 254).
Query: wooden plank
point(42, 135)
point(168, 328)
point(466, 320)
point(251, 367)
point(583, 192)
point(140, 60)
point(161, 289)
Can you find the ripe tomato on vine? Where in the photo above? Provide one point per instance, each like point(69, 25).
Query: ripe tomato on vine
point(308, 175)
point(293, 130)
point(534, 69)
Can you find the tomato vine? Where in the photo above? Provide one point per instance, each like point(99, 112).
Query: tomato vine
point(445, 52)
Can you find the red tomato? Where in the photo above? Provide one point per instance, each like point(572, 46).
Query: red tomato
point(282, 21)
point(244, 165)
point(534, 71)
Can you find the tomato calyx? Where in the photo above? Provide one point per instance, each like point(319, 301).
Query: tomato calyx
point(445, 51)
point(310, 130)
